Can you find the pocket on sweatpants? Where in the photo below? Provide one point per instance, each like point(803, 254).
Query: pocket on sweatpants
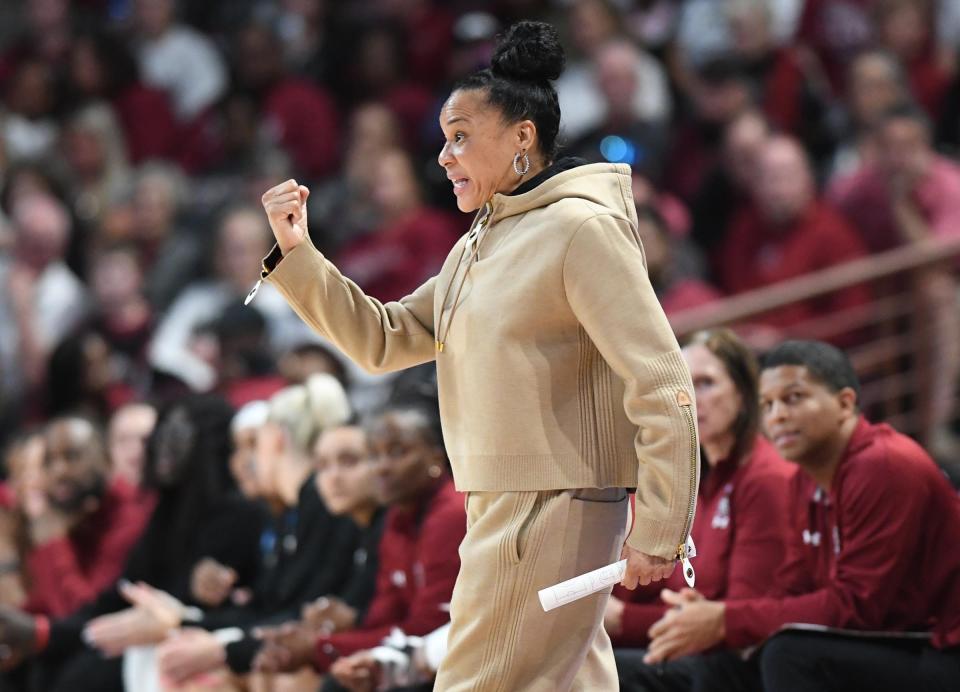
point(528, 509)
point(604, 495)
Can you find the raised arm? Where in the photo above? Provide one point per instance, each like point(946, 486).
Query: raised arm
point(379, 337)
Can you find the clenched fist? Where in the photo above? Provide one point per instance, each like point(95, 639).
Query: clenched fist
point(286, 207)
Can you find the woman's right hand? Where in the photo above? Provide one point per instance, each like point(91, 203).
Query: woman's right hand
point(286, 207)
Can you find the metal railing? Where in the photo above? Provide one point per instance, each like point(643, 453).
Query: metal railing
point(907, 349)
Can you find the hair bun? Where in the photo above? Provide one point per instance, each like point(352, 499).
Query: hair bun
point(529, 51)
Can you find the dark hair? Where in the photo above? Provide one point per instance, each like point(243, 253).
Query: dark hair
point(827, 364)
point(742, 368)
point(420, 418)
point(905, 110)
point(527, 58)
point(206, 478)
point(650, 214)
point(114, 57)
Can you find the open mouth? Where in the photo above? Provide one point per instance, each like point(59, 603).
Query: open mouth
point(459, 185)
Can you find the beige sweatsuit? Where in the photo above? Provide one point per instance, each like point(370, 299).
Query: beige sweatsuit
point(557, 373)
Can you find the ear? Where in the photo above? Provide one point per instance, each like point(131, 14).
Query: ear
point(847, 399)
point(526, 135)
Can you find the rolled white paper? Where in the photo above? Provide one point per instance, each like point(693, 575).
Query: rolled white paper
point(584, 585)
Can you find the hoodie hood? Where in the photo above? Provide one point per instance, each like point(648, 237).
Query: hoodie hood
point(606, 184)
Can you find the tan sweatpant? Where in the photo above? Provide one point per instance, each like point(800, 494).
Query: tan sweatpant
point(516, 544)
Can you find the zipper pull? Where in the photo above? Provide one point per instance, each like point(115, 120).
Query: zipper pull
point(253, 292)
point(685, 553)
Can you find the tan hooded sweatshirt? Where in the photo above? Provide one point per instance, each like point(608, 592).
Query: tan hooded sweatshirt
point(556, 365)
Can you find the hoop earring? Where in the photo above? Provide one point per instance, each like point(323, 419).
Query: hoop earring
point(516, 164)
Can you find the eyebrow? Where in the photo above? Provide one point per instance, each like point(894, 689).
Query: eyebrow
point(456, 119)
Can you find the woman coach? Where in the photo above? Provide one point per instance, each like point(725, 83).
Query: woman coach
point(561, 383)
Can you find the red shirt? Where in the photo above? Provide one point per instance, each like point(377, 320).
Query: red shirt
point(755, 255)
point(864, 198)
point(149, 126)
point(68, 572)
point(393, 261)
point(877, 551)
point(419, 562)
point(301, 118)
point(738, 535)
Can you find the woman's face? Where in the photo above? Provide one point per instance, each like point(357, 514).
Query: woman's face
point(479, 149)
point(243, 461)
point(718, 401)
point(401, 461)
point(176, 436)
point(344, 474)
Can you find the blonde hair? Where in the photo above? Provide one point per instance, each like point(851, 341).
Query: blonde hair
point(305, 410)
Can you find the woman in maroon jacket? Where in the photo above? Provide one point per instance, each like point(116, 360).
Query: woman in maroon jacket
point(738, 531)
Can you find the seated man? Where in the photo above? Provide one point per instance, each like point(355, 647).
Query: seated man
point(418, 557)
point(872, 547)
point(80, 537)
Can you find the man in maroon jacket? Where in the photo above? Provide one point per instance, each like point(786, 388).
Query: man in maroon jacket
point(872, 548)
point(418, 552)
point(81, 538)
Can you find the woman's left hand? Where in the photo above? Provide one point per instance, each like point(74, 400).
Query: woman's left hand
point(643, 569)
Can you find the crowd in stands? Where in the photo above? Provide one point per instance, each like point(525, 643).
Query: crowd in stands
point(203, 495)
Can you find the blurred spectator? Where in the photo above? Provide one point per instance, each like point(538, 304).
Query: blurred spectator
point(310, 358)
point(102, 66)
point(80, 540)
point(44, 299)
point(243, 240)
point(296, 115)
point(127, 434)
point(343, 207)
point(907, 192)
point(704, 33)
point(676, 289)
point(24, 487)
point(742, 504)
point(623, 135)
point(787, 95)
point(28, 127)
point(96, 161)
point(22, 493)
point(197, 516)
point(875, 83)
point(411, 242)
point(84, 377)
point(418, 552)
point(787, 233)
point(47, 36)
point(906, 29)
point(122, 315)
point(377, 70)
point(836, 31)
point(169, 252)
point(245, 367)
point(720, 92)
point(301, 26)
point(178, 59)
point(725, 191)
point(593, 25)
point(428, 26)
point(243, 430)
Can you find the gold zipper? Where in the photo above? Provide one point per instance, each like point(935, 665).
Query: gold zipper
point(683, 547)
